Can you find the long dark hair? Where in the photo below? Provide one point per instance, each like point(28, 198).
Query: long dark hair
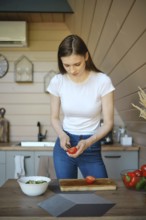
point(73, 44)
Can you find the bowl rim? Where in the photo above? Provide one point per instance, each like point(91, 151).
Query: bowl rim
point(24, 179)
point(123, 172)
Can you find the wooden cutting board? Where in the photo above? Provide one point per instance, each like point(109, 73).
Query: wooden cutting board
point(4, 127)
point(81, 185)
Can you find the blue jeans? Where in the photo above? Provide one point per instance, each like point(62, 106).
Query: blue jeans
point(89, 162)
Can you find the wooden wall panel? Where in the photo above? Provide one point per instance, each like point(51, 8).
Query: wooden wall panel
point(130, 32)
point(23, 98)
point(125, 102)
point(115, 32)
point(116, 38)
point(132, 82)
point(22, 88)
point(75, 23)
point(137, 126)
point(139, 139)
point(131, 62)
point(28, 108)
point(47, 41)
point(49, 26)
point(70, 18)
point(48, 56)
point(28, 103)
point(33, 17)
point(47, 35)
point(87, 19)
point(118, 11)
point(43, 66)
point(38, 77)
point(100, 15)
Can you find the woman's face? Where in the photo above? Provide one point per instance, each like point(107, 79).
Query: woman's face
point(74, 64)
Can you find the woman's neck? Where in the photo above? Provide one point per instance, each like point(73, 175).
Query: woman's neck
point(79, 79)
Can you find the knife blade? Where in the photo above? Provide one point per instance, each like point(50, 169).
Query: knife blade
point(68, 146)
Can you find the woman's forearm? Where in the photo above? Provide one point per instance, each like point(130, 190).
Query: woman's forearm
point(101, 133)
point(57, 126)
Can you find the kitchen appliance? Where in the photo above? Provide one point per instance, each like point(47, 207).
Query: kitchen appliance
point(13, 34)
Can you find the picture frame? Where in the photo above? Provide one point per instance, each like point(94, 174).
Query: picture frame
point(23, 70)
point(48, 78)
point(3, 65)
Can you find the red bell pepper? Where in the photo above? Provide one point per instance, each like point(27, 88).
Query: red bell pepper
point(130, 179)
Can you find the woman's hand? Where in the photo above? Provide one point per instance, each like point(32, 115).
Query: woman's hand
point(81, 147)
point(64, 141)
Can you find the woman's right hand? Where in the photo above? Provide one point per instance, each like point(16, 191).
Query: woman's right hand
point(64, 141)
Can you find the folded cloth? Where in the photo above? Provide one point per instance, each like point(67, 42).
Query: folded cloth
point(46, 167)
point(19, 166)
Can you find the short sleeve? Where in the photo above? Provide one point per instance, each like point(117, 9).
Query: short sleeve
point(107, 85)
point(53, 87)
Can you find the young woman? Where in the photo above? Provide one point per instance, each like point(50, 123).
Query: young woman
point(85, 95)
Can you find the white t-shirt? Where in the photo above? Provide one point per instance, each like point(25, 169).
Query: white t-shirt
point(81, 102)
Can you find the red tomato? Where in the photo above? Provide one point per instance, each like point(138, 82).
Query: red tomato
point(143, 169)
point(144, 173)
point(72, 150)
point(138, 172)
point(90, 179)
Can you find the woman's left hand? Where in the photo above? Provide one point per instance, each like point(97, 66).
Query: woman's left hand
point(81, 147)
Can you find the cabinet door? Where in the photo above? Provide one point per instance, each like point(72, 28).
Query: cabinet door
point(116, 161)
point(28, 163)
point(45, 164)
point(2, 167)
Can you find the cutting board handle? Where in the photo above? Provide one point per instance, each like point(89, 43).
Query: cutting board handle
point(4, 127)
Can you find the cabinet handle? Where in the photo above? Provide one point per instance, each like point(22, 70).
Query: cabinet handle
point(112, 156)
point(25, 156)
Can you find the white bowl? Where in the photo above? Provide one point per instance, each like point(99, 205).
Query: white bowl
point(33, 189)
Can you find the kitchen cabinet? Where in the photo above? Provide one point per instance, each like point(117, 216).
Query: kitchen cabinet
point(31, 162)
point(37, 156)
point(28, 163)
point(2, 167)
point(116, 161)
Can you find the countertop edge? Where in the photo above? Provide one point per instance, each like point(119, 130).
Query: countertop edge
point(15, 147)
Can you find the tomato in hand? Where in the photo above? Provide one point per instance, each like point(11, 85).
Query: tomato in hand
point(90, 179)
point(72, 150)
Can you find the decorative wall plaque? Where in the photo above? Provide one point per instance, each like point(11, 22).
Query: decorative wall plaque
point(3, 65)
point(47, 78)
point(23, 70)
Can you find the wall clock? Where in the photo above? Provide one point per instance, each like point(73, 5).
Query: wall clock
point(3, 66)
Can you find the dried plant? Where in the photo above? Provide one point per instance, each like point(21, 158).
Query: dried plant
point(142, 97)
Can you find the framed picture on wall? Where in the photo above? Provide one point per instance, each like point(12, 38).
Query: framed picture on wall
point(3, 66)
point(47, 78)
point(23, 70)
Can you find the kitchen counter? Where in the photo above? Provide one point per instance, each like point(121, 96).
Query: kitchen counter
point(15, 147)
point(129, 204)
